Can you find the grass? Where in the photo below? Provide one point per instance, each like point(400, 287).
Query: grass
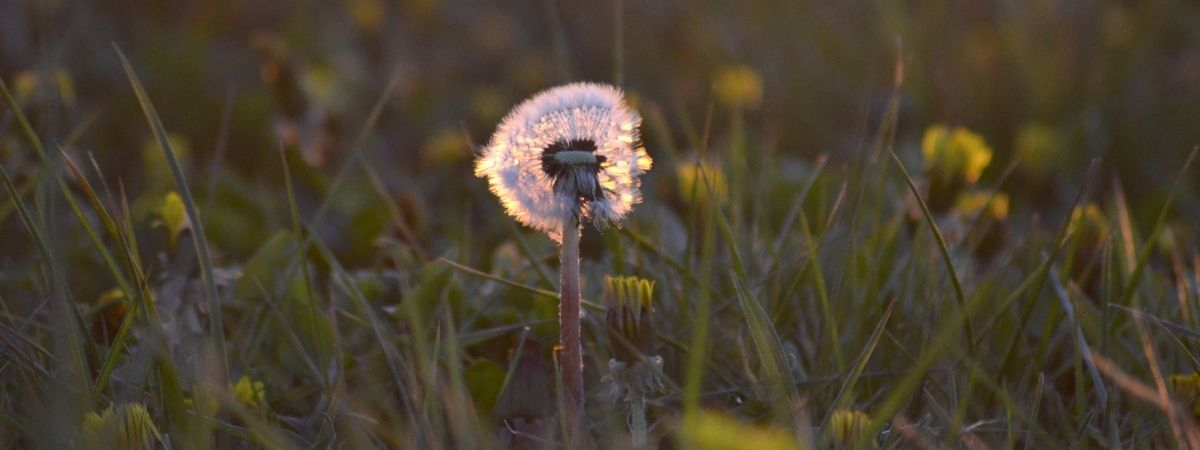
point(380, 298)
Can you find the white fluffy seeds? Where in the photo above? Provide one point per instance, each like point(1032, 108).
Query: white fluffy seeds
point(572, 149)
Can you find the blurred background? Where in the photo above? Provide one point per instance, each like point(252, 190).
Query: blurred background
point(376, 109)
point(1055, 83)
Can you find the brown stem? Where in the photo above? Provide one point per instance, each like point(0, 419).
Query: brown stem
point(569, 328)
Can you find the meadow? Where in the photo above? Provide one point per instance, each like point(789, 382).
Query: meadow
point(867, 225)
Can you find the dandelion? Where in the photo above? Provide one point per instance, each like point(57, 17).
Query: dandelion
point(846, 428)
point(128, 426)
point(569, 154)
point(635, 370)
point(954, 160)
point(570, 150)
point(249, 392)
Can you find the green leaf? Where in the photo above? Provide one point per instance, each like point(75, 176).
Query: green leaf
point(484, 379)
point(266, 267)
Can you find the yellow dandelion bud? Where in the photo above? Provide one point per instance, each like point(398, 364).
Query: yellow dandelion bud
point(630, 317)
point(173, 217)
point(124, 427)
point(846, 427)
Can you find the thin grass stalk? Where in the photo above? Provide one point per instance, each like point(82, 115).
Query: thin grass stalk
point(302, 257)
point(70, 390)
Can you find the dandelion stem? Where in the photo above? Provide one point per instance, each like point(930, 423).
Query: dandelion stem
point(637, 423)
point(569, 328)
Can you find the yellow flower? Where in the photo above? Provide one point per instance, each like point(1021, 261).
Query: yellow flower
point(972, 203)
point(739, 86)
point(173, 216)
point(124, 427)
point(957, 149)
point(250, 392)
point(954, 160)
point(847, 426)
point(713, 431)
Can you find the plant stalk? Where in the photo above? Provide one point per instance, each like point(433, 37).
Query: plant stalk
point(637, 423)
point(569, 327)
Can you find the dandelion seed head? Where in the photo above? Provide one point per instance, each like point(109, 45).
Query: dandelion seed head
point(572, 149)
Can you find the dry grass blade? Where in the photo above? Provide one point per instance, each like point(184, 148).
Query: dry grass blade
point(1159, 223)
point(1182, 425)
point(1148, 394)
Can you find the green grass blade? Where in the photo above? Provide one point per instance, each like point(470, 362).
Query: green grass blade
point(541, 271)
point(522, 286)
point(52, 170)
point(305, 271)
point(356, 150)
point(844, 397)
point(391, 355)
point(959, 296)
point(1144, 256)
point(1042, 274)
point(70, 392)
point(10, 206)
point(941, 344)
point(216, 326)
point(814, 259)
point(766, 341)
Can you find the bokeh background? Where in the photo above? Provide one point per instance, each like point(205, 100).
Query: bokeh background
point(1119, 81)
point(763, 89)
